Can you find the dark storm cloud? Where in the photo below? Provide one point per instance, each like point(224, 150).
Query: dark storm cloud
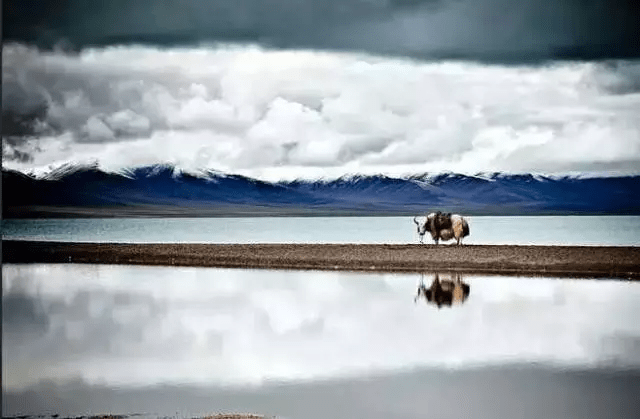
point(500, 30)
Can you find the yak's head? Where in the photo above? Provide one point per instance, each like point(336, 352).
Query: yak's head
point(429, 295)
point(422, 227)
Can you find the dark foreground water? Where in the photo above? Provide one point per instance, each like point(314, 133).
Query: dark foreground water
point(524, 392)
point(163, 341)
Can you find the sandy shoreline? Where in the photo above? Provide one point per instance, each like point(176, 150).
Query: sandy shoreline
point(561, 261)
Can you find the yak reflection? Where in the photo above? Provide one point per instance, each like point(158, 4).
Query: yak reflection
point(443, 292)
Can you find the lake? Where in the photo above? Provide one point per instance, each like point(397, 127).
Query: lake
point(541, 230)
point(166, 341)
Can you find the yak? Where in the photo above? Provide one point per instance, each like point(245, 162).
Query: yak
point(443, 226)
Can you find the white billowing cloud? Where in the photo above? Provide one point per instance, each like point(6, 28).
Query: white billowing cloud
point(127, 122)
point(285, 114)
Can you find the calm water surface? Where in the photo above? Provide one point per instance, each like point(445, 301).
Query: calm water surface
point(164, 340)
point(570, 230)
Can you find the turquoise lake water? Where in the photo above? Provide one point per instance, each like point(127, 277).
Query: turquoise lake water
point(568, 230)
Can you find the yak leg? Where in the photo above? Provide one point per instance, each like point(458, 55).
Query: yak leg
point(421, 289)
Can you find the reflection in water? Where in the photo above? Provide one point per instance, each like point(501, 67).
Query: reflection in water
point(83, 329)
point(444, 292)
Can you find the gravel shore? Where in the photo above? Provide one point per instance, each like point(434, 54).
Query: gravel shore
point(559, 261)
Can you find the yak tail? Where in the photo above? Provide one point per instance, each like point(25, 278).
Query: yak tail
point(465, 228)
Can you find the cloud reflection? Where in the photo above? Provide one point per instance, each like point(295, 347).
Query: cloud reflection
point(120, 325)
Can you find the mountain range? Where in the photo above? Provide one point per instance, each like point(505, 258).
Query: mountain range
point(163, 190)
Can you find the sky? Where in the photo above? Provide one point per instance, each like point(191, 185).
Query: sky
point(284, 89)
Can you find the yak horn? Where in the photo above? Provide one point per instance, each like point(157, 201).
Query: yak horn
point(416, 221)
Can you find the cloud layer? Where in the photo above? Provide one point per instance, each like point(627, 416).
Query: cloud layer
point(277, 114)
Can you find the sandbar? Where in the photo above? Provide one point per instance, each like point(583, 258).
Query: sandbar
point(621, 262)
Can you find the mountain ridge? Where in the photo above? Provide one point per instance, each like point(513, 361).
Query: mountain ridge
point(164, 186)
